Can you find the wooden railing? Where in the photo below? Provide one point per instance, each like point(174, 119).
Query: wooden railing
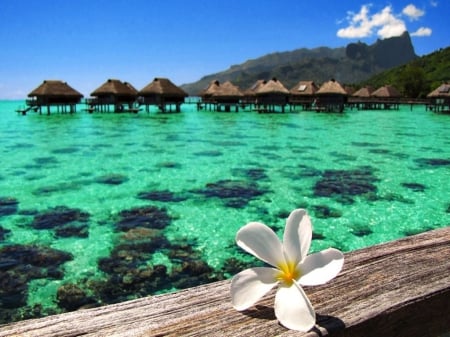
point(400, 288)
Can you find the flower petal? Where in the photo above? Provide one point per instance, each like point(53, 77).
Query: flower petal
point(293, 309)
point(319, 268)
point(262, 242)
point(250, 285)
point(297, 235)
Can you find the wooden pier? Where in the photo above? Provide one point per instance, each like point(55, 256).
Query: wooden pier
point(400, 288)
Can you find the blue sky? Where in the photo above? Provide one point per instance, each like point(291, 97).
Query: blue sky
point(85, 42)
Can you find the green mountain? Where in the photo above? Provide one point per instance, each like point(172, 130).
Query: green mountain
point(418, 77)
point(351, 64)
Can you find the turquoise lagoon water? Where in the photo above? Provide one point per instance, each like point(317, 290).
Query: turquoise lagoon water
point(365, 177)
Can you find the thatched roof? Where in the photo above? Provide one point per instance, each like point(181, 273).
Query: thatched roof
point(272, 87)
point(386, 91)
point(212, 87)
point(251, 91)
point(55, 88)
point(227, 89)
point(304, 88)
point(331, 87)
point(163, 87)
point(442, 91)
point(116, 88)
point(364, 92)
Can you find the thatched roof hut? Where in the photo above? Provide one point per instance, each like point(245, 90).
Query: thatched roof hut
point(331, 97)
point(250, 93)
point(163, 87)
point(53, 93)
point(440, 99)
point(332, 87)
point(361, 99)
point(228, 92)
point(443, 91)
point(386, 91)
point(270, 95)
point(115, 88)
point(304, 89)
point(303, 94)
point(207, 93)
point(162, 92)
point(272, 87)
point(114, 92)
point(364, 92)
point(218, 94)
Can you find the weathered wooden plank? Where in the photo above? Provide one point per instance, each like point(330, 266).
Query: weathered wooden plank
point(401, 288)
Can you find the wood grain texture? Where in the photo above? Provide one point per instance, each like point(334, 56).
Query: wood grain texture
point(401, 288)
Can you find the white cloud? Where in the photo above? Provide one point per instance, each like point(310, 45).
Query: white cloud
point(422, 31)
point(362, 24)
point(413, 12)
point(384, 23)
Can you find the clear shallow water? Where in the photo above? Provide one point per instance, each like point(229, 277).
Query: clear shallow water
point(365, 177)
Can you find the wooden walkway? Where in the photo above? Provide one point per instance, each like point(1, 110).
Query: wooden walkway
point(401, 288)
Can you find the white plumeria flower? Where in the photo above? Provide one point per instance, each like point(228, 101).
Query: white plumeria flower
point(293, 268)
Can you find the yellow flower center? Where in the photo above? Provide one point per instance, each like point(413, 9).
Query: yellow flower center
point(288, 273)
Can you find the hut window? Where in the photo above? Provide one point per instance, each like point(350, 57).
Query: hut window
point(302, 87)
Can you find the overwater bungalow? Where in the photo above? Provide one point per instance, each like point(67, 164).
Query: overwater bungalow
point(250, 93)
point(53, 93)
point(226, 96)
point(439, 99)
point(272, 96)
point(162, 93)
point(122, 96)
point(361, 99)
point(386, 97)
point(331, 97)
point(206, 95)
point(303, 94)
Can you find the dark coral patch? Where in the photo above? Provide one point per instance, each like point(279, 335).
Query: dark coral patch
point(255, 174)
point(318, 236)
point(76, 229)
point(416, 187)
point(235, 193)
point(130, 275)
point(325, 212)
point(346, 183)
point(164, 195)
point(66, 150)
point(396, 197)
point(62, 187)
point(434, 162)
point(232, 189)
point(20, 264)
point(71, 297)
point(3, 233)
point(8, 205)
point(147, 217)
point(169, 165)
point(380, 151)
point(43, 161)
point(111, 179)
point(58, 216)
point(209, 153)
point(364, 144)
point(361, 230)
